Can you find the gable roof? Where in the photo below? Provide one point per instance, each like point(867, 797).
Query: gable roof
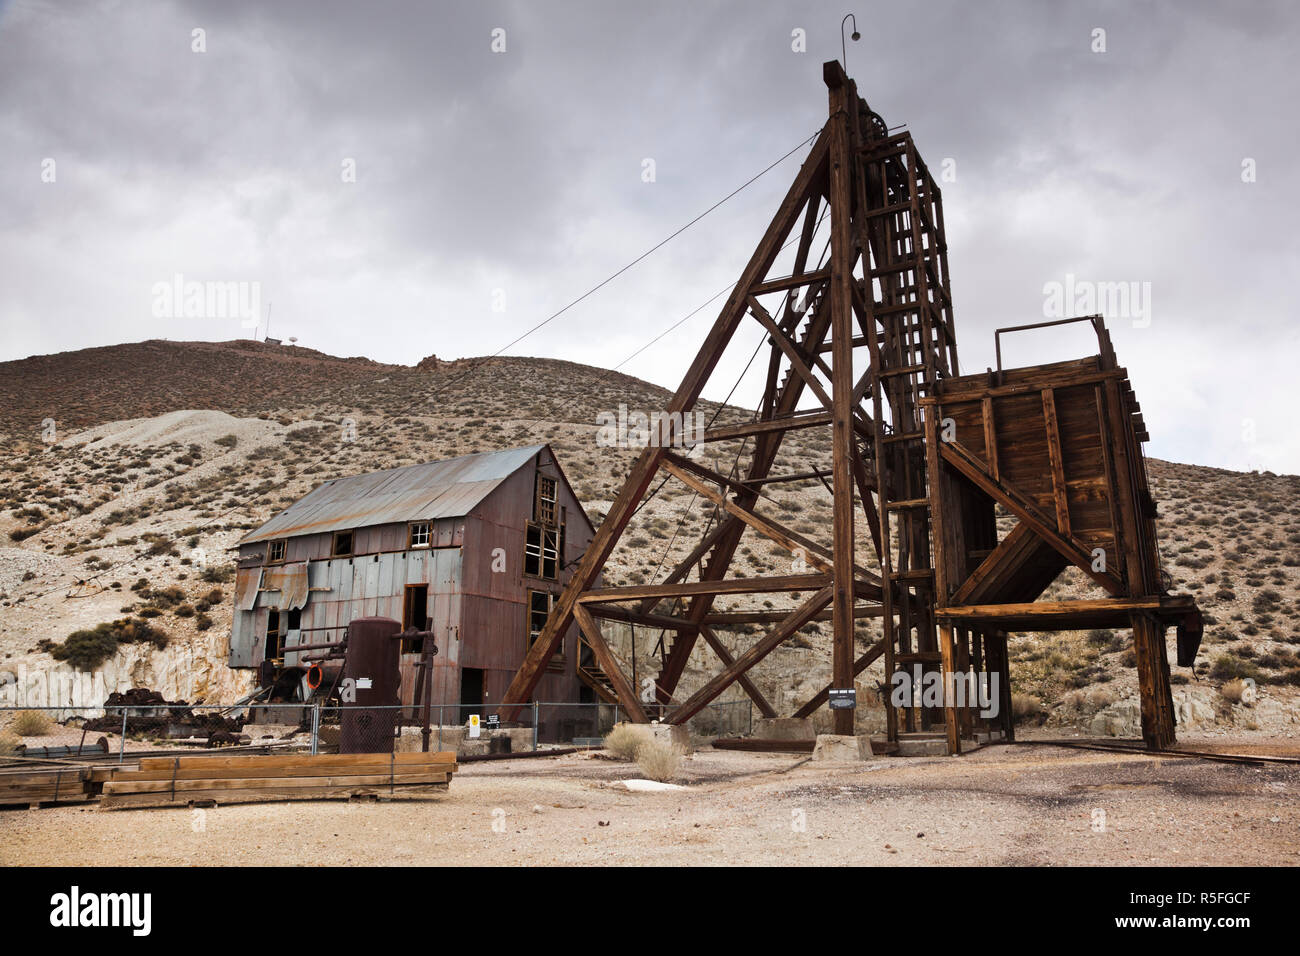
point(424, 492)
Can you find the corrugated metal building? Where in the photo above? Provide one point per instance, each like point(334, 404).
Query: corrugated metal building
point(475, 549)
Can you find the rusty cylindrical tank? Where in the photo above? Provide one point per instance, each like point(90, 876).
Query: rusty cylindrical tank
point(371, 670)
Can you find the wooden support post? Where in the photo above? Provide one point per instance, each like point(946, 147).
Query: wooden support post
point(843, 97)
point(1158, 721)
point(947, 647)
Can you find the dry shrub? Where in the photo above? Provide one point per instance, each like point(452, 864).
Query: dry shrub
point(30, 723)
point(659, 760)
point(625, 740)
point(8, 742)
point(1237, 691)
point(1026, 708)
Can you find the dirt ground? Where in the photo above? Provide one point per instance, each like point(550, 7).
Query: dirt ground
point(1003, 805)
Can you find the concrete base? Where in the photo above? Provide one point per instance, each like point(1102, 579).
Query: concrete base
point(456, 738)
point(258, 733)
point(842, 748)
point(784, 728)
point(676, 735)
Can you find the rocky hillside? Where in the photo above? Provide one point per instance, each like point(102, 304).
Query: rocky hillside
point(165, 453)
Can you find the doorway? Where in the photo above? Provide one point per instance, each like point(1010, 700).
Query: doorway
point(471, 692)
point(415, 616)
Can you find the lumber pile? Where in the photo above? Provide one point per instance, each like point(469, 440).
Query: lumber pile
point(33, 786)
point(181, 781)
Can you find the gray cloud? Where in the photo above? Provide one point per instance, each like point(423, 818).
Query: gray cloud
point(521, 171)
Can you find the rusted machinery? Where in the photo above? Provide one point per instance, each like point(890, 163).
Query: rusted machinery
point(926, 453)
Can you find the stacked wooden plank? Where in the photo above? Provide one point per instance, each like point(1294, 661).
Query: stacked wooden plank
point(181, 781)
point(32, 786)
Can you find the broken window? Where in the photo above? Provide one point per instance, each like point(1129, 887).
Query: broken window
point(342, 544)
point(275, 551)
point(541, 552)
point(544, 506)
point(419, 534)
point(540, 604)
point(274, 642)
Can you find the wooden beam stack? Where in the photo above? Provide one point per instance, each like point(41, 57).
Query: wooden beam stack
point(23, 786)
point(181, 781)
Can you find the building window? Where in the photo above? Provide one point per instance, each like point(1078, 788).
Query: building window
point(541, 552)
point(544, 506)
point(419, 534)
point(275, 551)
point(274, 640)
point(342, 544)
point(540, 604)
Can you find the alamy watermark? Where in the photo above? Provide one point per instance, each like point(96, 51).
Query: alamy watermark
point(182, 299)
point(638, 429)
point(1117, 300)
point(934, 689)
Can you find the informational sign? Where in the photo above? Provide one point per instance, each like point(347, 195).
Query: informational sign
point(493, 721)
point(843, 698)
point(474, 728)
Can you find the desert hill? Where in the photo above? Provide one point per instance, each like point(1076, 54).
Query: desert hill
point(166, 452)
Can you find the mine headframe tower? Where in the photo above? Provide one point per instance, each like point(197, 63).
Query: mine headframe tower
point(925, 453)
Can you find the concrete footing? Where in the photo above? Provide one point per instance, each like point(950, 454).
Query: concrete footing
point(784, 728)
point(842, 747)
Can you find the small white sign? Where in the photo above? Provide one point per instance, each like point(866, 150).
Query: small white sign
point(474, 728)
point(364, 683)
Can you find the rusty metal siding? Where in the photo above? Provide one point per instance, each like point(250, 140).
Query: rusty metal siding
point(479, 615)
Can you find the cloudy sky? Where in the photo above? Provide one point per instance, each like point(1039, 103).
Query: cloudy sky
point(394, 186)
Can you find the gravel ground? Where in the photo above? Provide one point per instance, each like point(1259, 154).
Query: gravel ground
point(1008, 806)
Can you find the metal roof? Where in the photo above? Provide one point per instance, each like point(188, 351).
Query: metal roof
point(425, 492)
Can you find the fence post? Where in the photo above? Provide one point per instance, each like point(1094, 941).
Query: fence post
point(121, 751)
point(440, 728)
point(315, 728)
point(535, 725)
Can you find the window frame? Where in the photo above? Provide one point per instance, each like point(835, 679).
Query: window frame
point(546, 509)
point(541, 554)
point(352, 544)
point(556, 659)
point(411, 543)
point(284, 550)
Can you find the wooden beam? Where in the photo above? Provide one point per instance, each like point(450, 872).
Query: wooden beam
point(766, 426)
point(792, 541)
point(728, 660)
point(990, 436)
point(773, 639)
point(643, 471)
point(605, 658)
point(1022, 508)
point(862, 663)
point(782, 341)
point(1060, 493)
point(952, 725)
point(637, 592)
point(843, 97)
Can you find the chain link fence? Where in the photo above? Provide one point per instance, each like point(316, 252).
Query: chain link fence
point(125, 731)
